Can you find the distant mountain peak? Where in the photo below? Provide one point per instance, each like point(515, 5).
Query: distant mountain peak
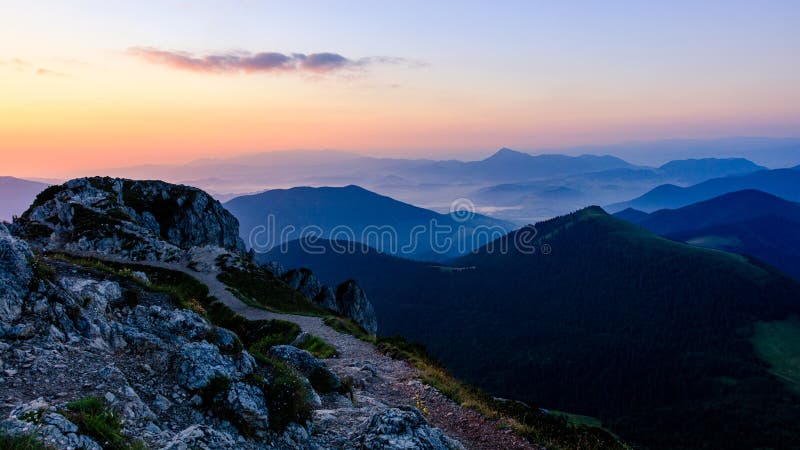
point(506, 153)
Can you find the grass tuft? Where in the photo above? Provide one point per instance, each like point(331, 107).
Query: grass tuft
point(100, 423)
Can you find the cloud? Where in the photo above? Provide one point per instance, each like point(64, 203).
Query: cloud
point(21, 65)
point(264, 62)
point(43, 71)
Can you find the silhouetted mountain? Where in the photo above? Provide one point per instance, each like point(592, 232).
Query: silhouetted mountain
point(707, 168)
point(511, 164)
point(747, 222)
point(784, 183)
point(16, 195)
point(356, 214)
point(535, 200)
point(632, 215)
point(729, 208)
point(653, 336)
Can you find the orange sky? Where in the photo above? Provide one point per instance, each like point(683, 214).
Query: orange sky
point(76, 94)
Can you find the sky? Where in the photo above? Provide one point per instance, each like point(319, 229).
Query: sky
point(113, 83)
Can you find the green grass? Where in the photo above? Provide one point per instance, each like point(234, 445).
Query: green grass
point(347, 326)
point(100, 423)
point(21, 442)
point(318, 347)
point(260, 288)
point(778, 343)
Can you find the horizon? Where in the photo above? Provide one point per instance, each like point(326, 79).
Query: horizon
point(91, 86)
point(625, 150)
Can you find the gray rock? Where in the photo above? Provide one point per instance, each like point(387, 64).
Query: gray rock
point(15, 275)
point(200, 362)
point(309, 366)
point(275, 267)
point(161, 403)
point(201, 437)
point(142, 277)
point(404, 428)
point(150, 220)
point(327, 299)
point(170, 324)
point(302, 337)
point(95, 295)
point(226, 340)
point(303, 281)
point(352, 303)
point(349, 300)
point(247, 403)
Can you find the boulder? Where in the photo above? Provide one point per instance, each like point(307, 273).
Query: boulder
point(321, 378)
point(200, 362)
point(201, 437)
point(247, 403)
point(404, 428)
point(15, 275)
point(352, 303)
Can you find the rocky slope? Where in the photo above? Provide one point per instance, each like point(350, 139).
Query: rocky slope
point(80, 343)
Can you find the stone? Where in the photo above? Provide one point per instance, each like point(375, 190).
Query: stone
point(200, 362)
point(247, 403)
point(309, 366)
point(15, 275)
point(404, 428)
point(201, 437)
point(303, 281)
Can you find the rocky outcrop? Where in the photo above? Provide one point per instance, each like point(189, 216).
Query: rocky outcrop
point(349, 300)
point(404, 428)
point(15, 275)
point(303, 281)
point(352, 303)
point(145, 220)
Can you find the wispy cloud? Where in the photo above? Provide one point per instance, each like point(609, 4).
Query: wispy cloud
point(22, 65)
point(263, 62)
point(43, 71)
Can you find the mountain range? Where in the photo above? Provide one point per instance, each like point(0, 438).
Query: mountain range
point(597, 177)
point(747, 222)
point(784, 183)
point(355, 214)
point(16, 195)
point(664, 342)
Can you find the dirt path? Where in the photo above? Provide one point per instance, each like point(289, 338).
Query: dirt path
point(380, 380)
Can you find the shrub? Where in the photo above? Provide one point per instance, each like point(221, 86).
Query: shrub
point(21, 442)
point(98, 422)
point(287, 395)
